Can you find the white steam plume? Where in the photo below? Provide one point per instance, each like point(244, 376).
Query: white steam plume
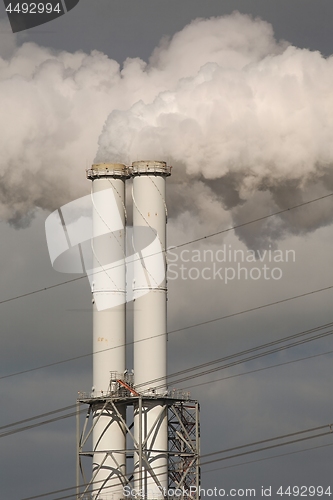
point(252, 121)
point(245, 121)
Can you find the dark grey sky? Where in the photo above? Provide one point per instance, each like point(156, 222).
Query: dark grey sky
point(56, 324)
point(126, 28)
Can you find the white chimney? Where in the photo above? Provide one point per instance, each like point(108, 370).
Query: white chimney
point(150, 315)
point(109, 321)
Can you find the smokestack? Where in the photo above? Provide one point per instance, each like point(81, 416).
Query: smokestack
point(150, 312)
point(162, 419)
point(109, 297)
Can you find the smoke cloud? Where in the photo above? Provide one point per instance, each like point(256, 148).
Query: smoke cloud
point(244, 119)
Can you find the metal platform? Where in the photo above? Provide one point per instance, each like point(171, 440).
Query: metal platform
point(183, 442)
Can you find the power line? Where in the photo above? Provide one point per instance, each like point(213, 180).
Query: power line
point(192, 326)
point(275, 438)
point(293, 441)
point(184, 388)
point(276, 445)
point(37, 416)
point(180, 329)
point(200, 374)
point(247, 351)
point(255, 220)
point(202, 323)
point(32, 426)
point(269, 458)
point(201, 238)
point(258, 370)
point(249, 358)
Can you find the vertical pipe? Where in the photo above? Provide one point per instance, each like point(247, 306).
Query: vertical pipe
point(197, 477)
point(140, 443)
point(78, 448)
point(109, 284)
point(150, 342)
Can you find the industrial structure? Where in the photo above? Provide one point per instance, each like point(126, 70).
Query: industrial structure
point(143, 439)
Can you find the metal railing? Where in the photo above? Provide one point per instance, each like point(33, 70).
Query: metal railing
point(120, 391)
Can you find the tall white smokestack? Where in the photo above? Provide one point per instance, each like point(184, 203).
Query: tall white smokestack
point(109, 297)
point(150, 312)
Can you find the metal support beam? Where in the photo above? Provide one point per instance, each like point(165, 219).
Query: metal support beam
point(78, 449)
point(183, 445)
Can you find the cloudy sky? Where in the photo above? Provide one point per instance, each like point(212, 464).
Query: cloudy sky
point(236, 96)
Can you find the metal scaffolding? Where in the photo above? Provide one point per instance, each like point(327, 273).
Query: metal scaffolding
point(183, 443)
point(184, 447)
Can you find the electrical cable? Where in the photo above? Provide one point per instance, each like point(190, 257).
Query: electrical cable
point(293, 441)
point(202, 238)
point(258, 370)
point(196, 240)
point(32, 426)
point(227, 316)
point(269, 458)
point(275, 438)
point(173, 331)
point(47, 414)
point(234, 363)
point(226, 358)
point(249, 358)
point(241, 353)
point(284, 436)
